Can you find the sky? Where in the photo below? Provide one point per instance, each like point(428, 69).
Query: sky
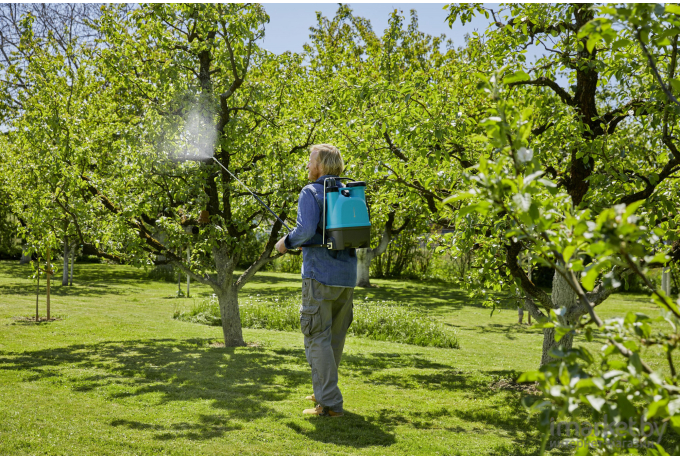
point(288, 29)
point(289, 25)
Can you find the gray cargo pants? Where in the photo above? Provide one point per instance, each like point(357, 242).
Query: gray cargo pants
point(325, 316)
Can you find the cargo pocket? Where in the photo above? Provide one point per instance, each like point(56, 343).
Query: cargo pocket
point(310, 320)
point(306, 291)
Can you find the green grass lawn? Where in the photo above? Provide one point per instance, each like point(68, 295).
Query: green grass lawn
point(118, 376)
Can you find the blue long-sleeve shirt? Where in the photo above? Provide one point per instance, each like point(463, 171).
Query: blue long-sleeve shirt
point(332, 268)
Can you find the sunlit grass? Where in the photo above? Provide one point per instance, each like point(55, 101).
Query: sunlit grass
point(378, 320)
point(119, 376)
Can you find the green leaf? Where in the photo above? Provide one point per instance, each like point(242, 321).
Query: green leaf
point(626, 408)
point(589, 334)
point(459, 197)
point(672, 8)
point(665, 302)
point(588, 281)
point(635, 362)
point(658, 408)
point(561, 331)
point(675, 83)
point(620, 43)
point(590, 44)
point(529, 179)
point(631, 208)
point(596, 402)
point(674, 406)
point(531, 376)
point(520, 75)
point(675, 423)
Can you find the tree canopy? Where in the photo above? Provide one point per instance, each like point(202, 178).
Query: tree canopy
point(115, 118)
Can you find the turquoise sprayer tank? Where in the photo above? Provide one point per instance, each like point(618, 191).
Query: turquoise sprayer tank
point(346, 214)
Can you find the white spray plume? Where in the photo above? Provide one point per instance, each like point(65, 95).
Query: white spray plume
point(199, 135)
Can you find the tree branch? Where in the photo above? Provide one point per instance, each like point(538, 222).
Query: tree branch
point(512, 252)
point(664, 88)
point(543, 81)
point(265, 255)
point(667, 170)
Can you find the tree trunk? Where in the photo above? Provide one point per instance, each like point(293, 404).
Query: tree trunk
point(231, 318)
point(37, 294)
point(25, 256)
point(49, 273)
point(364, 257)
point(64, 275)
point(188, 277)
point(666, 281)
point(227, 296)
point(562, 296)
point(549, 343)
point(73, 259)
point(529, 302)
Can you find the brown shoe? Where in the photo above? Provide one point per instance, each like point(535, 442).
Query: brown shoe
point(310, 398)
point(322, 411)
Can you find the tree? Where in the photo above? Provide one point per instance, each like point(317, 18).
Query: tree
point(9, 224)
point(47, 83)
point(47, 100)
point(62, 23)
point(189, 81)
point(576, 134)
point(394, 113)
point(582, 246)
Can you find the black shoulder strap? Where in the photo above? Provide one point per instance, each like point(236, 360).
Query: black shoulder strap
point(319, 202)
point(319, 227)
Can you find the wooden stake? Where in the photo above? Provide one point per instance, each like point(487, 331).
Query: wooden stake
point(49, 273)
point(188, 265)
point(73, 259)
point(37, 293)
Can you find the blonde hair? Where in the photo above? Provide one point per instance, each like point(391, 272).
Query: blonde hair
point(329, 159)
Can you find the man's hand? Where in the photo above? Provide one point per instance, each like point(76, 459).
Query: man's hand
point(281, 245)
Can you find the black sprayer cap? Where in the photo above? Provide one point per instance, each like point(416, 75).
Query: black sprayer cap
point(356, 184)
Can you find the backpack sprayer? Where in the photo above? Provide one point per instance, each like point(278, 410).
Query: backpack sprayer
point(345, 222)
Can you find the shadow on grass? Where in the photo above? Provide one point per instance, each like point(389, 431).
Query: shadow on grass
point(278, 278)
point(435, 297)
point(31, 322)
point(207, 427)
point(500, 411)
point(636, 297)
point(369, 363)
point(90, 280)
point(510, 331)
point(351, 430)
point(237, 381)
point(80, 290)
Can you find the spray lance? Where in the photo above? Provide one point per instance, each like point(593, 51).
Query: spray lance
point(254, 195)
point(345, 221)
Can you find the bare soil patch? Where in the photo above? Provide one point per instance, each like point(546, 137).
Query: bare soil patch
point(511, 385)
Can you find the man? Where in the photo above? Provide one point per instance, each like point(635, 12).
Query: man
point(328, 281)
